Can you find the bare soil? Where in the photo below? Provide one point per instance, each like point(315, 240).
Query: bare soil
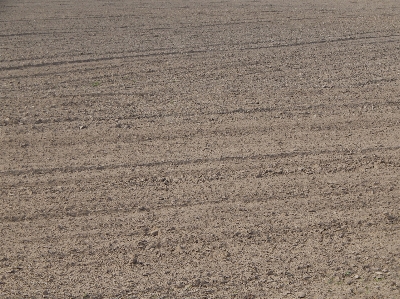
point(200, 149)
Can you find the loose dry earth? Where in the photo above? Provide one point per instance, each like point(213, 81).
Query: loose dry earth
point(200, 149)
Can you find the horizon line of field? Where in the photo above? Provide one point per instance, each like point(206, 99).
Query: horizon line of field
point(72, 169)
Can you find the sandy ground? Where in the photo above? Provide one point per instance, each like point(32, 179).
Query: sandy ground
point(200, 149)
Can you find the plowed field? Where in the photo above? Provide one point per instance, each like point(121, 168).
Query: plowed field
point(200, 149)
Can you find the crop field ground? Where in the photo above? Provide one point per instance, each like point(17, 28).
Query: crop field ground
point(200, 149)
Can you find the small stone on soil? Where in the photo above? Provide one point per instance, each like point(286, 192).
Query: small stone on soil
point(134, 260)
point(270, 272)
point(196, 283)
point(180, 284)
point(301, 295)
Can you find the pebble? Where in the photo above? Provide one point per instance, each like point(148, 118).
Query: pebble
point(180, 284)
point(301, 295)
point(286, 293)
point(356, 276)
point(134, 260)
point(196, 283)
point(152, 245)
point(180, 249)
point(142, 244)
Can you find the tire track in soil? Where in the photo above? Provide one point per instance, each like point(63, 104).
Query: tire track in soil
point(16, 172)
point(191, 52)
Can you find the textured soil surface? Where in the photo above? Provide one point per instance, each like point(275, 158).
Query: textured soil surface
point(200, 149)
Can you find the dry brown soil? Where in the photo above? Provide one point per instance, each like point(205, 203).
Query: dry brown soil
point(200, 149)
